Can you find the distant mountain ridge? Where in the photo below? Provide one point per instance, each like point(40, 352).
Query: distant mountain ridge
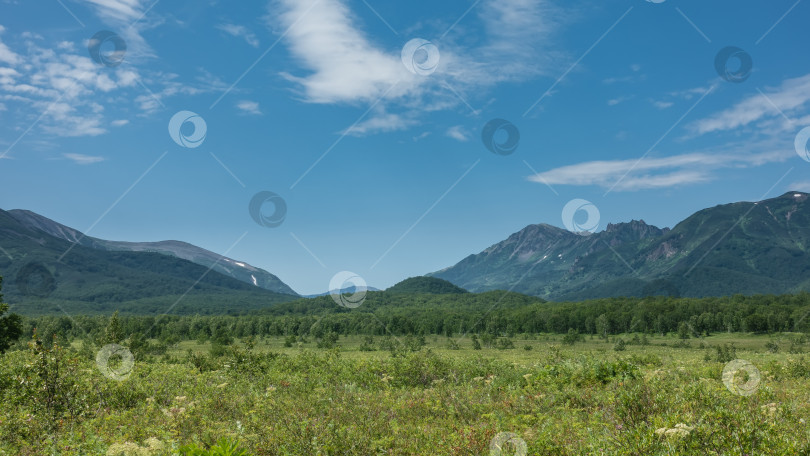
point(222, 264)
point(745, 247)
point(44, 274)
point(347, 290)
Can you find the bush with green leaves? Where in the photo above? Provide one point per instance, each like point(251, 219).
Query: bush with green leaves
point(725, 353)
point(476, 344)
point(328, 340)
point(368, 344)
point(223, 447)
point(10, 325)
point(504, 343)
point(573, 336)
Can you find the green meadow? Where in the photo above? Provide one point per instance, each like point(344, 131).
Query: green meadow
point(538, 394)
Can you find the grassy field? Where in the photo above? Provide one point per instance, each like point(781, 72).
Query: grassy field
point(541, 397)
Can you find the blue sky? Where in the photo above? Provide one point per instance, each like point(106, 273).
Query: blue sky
point(379, 158)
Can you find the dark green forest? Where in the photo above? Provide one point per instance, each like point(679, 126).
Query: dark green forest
point(498, 313)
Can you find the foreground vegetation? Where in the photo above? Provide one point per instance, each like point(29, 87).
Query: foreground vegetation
point(448, 374)
point(559, 395)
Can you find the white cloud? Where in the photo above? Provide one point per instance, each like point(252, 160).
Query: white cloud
point(130, 18)
point(240, 31)
point(118, 10)
point(119, 122)
point(801, 186)
point(346, 66)
point(792, 96)
point(421, 136)
point(631, 78)
point(249, 107)
point(663, 104)
point(689, 94)
point(63, 88)
point(7, 55)
point(457, 133)
point(381, 121)
point(66, 121)
point(165, 85)
point(517, 34)
point(663, 172)
point(615, 101)
point(81, 159)
point(69, 91)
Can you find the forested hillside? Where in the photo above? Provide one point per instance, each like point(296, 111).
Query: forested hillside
point(494, 312)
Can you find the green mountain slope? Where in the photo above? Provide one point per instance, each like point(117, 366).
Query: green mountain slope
point(734, 248)
point(89, 280)
point(430, 285)
point(224, 265)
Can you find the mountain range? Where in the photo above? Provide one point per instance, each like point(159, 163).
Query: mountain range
point(745, 247)
point(49, 267)
point(224, 265)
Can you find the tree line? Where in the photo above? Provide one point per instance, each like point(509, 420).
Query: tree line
point(497, 313)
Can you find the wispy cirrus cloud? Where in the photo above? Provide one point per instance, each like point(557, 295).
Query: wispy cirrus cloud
point(240, 31)
point(516, 40)
point(766, 113)
point(81, 159)
point(249, 107)
point(381, 121)
point(800, 186)
point(129, 18)
point(458, 133)
point(791, 98)
point(618, 100)
point(664, 172)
